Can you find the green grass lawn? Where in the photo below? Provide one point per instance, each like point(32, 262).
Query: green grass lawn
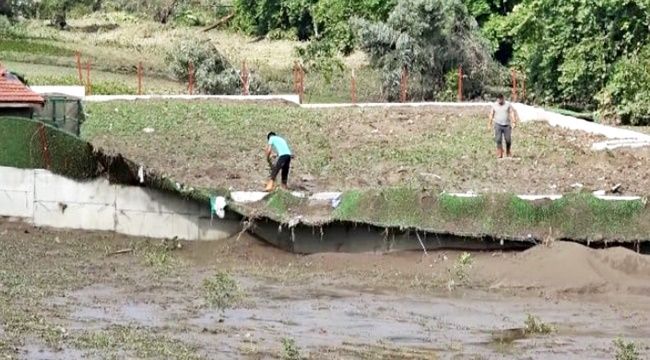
point(212, 144)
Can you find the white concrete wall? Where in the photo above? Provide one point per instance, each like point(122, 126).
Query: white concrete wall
point(47, 199)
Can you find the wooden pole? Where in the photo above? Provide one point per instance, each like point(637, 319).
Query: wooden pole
point(302, 83)
point(78, 60)
point(353, 87)
point(460, 83)
point(191, 80)
point(245, 79)
point(89, 83)
point(514, 85)
point(140, 74)
point(404, 84)
point(523, 88)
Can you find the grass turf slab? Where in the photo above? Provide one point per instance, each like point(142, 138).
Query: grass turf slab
point(576, 216)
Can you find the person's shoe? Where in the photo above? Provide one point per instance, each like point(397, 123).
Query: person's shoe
point(508, 154)
point(270, 185)
point(284, 187)
point(499, 153)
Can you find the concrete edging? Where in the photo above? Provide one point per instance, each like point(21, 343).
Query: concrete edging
point(47, 199)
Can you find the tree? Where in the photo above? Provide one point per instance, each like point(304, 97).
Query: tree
point(260, 17)
point(569, 47)
point(626, 97)
point(430, 38)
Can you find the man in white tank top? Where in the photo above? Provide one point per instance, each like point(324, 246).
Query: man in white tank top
point(503, 119)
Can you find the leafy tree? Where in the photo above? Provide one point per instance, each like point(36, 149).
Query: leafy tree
point(569, 47)
point(626, 97)
point(259, 17)
point(431, 38)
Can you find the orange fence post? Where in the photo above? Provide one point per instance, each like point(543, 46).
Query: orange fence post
point(299, 80)
point(89, 83)
point(140, 74)
point(404, 84)
point(514, 85)
point(245, 79)
point(353, 87)
point(459, 96)
point(302, 83)
point(523, 88)
point(191, 78)
point(78, 60)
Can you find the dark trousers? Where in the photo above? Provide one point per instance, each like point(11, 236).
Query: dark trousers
point(503, 132)
point(284, 164)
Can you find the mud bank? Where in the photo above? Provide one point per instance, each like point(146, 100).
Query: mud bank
point(334, 306)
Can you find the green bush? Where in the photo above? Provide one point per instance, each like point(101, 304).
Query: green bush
point(201, 53)
point(213, 72)
point(5, 24)
point(431, 38)
point(626, 97)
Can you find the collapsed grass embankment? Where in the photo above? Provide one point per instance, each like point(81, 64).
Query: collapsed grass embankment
point(579, 217)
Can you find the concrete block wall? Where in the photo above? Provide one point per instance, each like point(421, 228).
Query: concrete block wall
point(47, 199)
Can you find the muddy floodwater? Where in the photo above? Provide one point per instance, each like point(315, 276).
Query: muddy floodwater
point(69, 295)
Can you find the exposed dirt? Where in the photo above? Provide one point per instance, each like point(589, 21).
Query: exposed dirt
point(66, 295)
point(219, 145)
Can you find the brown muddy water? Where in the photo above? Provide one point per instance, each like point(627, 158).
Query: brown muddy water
point(65, 295)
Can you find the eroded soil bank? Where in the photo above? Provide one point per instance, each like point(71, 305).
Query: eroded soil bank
point(73, 295)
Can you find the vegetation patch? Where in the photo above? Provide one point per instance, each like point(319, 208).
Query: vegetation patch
point(534, 325)
point(33, 47)
point(221, 291)
point(142, 342)
point(626, 350)
point(290, 350)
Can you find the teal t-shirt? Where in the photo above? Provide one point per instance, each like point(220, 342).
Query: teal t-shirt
point(279, 145)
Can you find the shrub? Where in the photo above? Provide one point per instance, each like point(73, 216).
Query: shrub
point(213, 72)
point(626, 97)
point(201, 53)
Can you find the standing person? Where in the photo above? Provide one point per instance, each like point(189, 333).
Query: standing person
point(278, 145)
point(503, 119)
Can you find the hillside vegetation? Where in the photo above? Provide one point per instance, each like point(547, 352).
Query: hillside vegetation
point(580, 55)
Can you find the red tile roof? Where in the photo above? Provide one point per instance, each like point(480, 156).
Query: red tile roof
point(15, 92)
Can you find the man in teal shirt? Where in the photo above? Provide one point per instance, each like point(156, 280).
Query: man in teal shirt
point(278, 145)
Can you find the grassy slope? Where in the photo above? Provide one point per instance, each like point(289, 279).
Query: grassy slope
point(124, 41)
point(216, 144)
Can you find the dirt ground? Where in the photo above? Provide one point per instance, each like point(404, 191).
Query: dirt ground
point(73, 295)
point(212, 145)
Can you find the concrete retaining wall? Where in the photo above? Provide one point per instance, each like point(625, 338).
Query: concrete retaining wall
point(47, 199)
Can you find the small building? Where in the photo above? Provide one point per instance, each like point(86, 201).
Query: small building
point(16, 99)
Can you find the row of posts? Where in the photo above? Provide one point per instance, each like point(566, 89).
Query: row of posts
point(299, 81)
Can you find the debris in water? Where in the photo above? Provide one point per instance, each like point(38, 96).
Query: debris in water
point(577, 185)
point(141, 174)
point(616, 189)
point(219, 207)
point(599, 193)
